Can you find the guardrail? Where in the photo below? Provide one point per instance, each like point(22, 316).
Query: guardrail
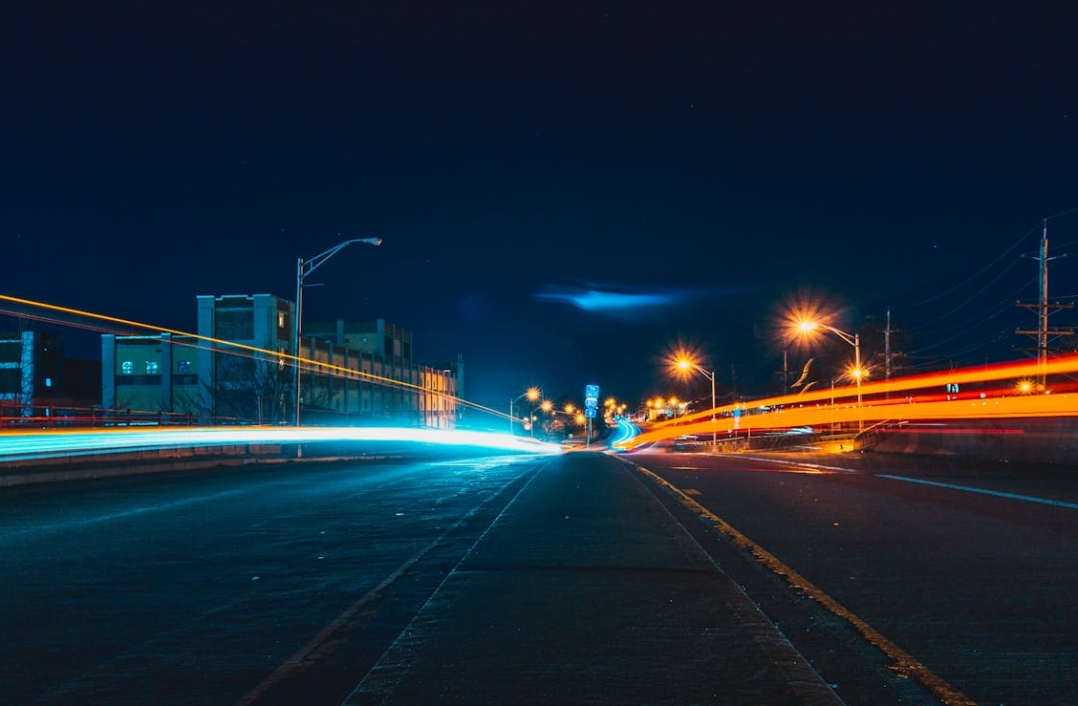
point(66, 417)
point(767, 442)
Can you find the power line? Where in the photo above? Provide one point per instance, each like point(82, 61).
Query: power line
point(976, 274)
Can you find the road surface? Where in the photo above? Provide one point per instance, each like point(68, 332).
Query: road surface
point(883, 580)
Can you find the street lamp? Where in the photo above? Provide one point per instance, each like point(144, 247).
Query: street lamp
point(686, 365)
point(855, 341)
point(304, 268)
point(532, 393)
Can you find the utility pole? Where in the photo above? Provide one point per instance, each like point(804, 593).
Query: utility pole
point(887, 352)
point(785, 373)
point(887, 347)
point(1044, 310)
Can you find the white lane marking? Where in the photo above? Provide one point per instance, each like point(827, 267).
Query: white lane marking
point(967, 488)
point(799, 464)
point(998, 493)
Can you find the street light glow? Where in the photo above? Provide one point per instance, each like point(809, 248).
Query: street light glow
point(532, 394)
point(684, 365)
point(856, 371)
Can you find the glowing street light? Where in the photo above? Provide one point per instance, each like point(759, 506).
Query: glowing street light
point(533, 394)
point(685, 365)
point(855, 341)
point(303, 269)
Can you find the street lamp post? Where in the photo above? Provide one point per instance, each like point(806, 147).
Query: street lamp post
point(303, 269)
point(785, 367)
point(855, 341)
point(686, 364)
point(532, 393)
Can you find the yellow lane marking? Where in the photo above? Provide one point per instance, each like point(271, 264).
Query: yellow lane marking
point(904, 664)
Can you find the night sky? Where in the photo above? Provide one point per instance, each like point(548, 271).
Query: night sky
point(565, 190)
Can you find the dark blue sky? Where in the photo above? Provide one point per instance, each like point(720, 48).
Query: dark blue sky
point(703, 161)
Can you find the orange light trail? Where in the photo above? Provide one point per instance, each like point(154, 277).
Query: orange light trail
point(915, 398)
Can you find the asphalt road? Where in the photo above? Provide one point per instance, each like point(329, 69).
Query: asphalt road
point(898, 580)
point(231, 586)
point(966, 568)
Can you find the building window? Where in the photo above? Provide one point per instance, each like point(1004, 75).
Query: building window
point(151, 367)
point(10, 381)
point(10, 351)
point(183, 366)
point(127, 367)
point(235, 324)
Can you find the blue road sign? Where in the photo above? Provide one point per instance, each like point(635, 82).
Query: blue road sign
point(591, 396)
point(589, 413)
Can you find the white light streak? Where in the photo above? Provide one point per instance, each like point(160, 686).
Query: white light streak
point(63, 443)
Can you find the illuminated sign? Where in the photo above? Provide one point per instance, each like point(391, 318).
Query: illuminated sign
point(591, 396)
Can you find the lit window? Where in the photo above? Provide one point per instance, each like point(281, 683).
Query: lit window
point(280, 319)
point(48, 382)
point(151, 367)
point(127, 367)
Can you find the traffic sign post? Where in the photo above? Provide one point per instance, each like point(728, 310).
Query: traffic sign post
point(591, 403)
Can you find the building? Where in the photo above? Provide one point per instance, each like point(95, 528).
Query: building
point(38, 381)
point(151, 378)
point(395, 387)
point(239, 369)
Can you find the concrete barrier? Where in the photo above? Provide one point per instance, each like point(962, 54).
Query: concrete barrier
point(1052, 440)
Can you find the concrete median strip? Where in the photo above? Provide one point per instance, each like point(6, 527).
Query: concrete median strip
point(587, 590)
